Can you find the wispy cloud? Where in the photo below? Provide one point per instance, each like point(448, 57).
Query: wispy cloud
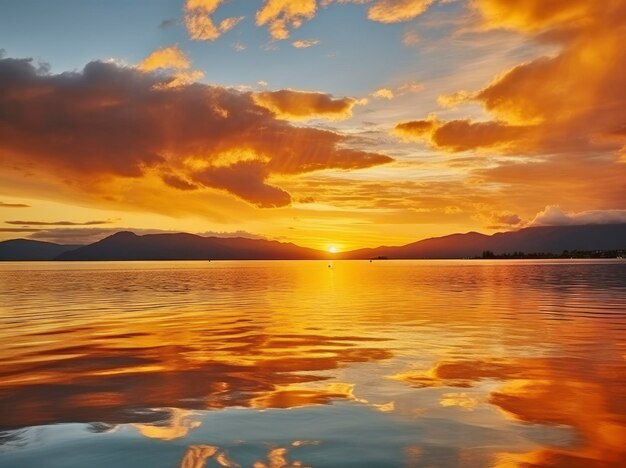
point(17, 230)
point(90, 235)
point(13, 205)
point(305, 43)
point(397, 11)
point(61, 223)
point(383, 93)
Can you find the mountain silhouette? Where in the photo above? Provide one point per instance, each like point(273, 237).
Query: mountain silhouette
point(129, 246)
point(25, 249)
point(546, 239)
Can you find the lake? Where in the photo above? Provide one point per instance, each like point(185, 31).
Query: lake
point(312, 363)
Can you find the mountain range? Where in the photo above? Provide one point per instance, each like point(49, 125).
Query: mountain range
point(129, 246)
point(546, 239)
point(29, 250)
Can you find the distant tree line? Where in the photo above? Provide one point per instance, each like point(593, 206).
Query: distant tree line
point(488, 254)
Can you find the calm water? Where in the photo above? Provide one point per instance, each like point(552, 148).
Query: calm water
point(285, 364)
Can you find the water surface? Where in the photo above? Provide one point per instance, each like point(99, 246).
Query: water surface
point(277, 364)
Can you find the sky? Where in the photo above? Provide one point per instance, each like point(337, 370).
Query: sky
point(328, 123)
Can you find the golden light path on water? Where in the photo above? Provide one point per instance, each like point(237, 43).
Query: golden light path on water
point(343, 363)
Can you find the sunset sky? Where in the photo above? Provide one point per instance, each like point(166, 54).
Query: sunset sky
point(345, 123)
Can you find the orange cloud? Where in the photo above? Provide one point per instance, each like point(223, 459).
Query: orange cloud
point(463, 135)
point(96, 129)
point(280, 15)
point(300, 105)
point(397, 11)
point(534, 15)
point(411, 87)
point(415, 130)
point(568, 103)
point(576, 181)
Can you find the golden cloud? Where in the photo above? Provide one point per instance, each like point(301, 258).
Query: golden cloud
point(397, 11)
point(280, 15)
point(200, 24)
point(165, 57)
point(108, 124)
point(201, 27)
point(207, 5)
point(229, 23)
point(171, 58)
point(383, 93)
point(301, 105)
point(454, 99)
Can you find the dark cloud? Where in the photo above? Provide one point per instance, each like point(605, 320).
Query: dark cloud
point(18, 230)
point(169, 23)
point(246, 179)
point(89, 128)
point(13, 205)
point(178, 182)
point(59, 223)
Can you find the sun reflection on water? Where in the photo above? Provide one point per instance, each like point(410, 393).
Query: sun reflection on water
point(438, 363)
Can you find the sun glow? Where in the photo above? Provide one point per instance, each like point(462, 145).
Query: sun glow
point(332, 249)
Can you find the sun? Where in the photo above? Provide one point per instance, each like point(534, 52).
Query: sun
point(332, 249)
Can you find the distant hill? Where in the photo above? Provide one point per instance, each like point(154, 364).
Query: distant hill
point(548, 239)
point(24, 249)
point(129, 246)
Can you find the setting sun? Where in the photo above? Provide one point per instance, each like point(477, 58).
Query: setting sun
point(332, 249)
